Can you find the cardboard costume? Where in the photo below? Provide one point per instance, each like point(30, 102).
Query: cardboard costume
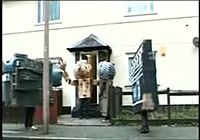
point(143, 79)
point(83, 82)
point(142, 76)
point(84, 87)
point(106, 73)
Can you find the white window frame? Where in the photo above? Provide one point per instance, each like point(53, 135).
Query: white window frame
point(139, 8)
point(42, 15)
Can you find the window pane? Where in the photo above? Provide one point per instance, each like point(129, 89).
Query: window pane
point(140, 7)
point(50, 10)
point(58, 10)
point(129, 63)
point(39, 11)
point(54, 10)
point(151, 6)
point(43, 14)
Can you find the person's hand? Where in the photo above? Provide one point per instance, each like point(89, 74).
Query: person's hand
point(63, 66)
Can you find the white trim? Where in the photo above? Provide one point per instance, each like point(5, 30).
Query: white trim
point(51, 22)
point(130, 54)
point(142, 14)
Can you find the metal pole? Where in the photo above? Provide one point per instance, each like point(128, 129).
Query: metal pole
point(168, 106)
point(46, 70)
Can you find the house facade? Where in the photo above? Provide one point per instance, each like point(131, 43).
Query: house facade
point(122, 25)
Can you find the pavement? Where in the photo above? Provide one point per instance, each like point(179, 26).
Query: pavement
point(88, 132)
point(68, 128)
point(69, 121)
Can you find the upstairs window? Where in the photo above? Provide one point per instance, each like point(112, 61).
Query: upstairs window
point(140, 7)
point(54, 11)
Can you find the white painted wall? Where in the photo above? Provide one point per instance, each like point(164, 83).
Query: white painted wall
point(179, 69)
point(79, 13)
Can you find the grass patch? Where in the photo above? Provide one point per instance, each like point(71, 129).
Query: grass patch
point(185, 116)
point(187, 113)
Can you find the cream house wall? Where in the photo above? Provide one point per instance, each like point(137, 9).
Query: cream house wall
point(168, 28)
point(82, 13)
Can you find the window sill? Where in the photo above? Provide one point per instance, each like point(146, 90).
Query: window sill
point(128, 86)
point(144, 14)
point(50, 23)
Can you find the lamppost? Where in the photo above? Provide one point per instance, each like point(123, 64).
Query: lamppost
point(46, 70)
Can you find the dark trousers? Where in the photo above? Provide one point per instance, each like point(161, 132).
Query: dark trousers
point(144, 117)
point(29, 114)
point(84, 107)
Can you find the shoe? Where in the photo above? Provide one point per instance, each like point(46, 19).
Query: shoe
point(143, 127)
point(140, 129)
point(34, 127)
point(103, 120)
point(144, 130)
point(80, 117)
point(87, 117)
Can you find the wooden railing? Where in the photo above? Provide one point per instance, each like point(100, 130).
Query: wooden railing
point(175, 93)
point(169, 94)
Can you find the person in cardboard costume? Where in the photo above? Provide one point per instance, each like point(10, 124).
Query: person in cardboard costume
point(83, 82)
point(106, 74)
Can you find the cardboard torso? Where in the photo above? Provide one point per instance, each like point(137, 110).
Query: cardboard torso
point(84, 86)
